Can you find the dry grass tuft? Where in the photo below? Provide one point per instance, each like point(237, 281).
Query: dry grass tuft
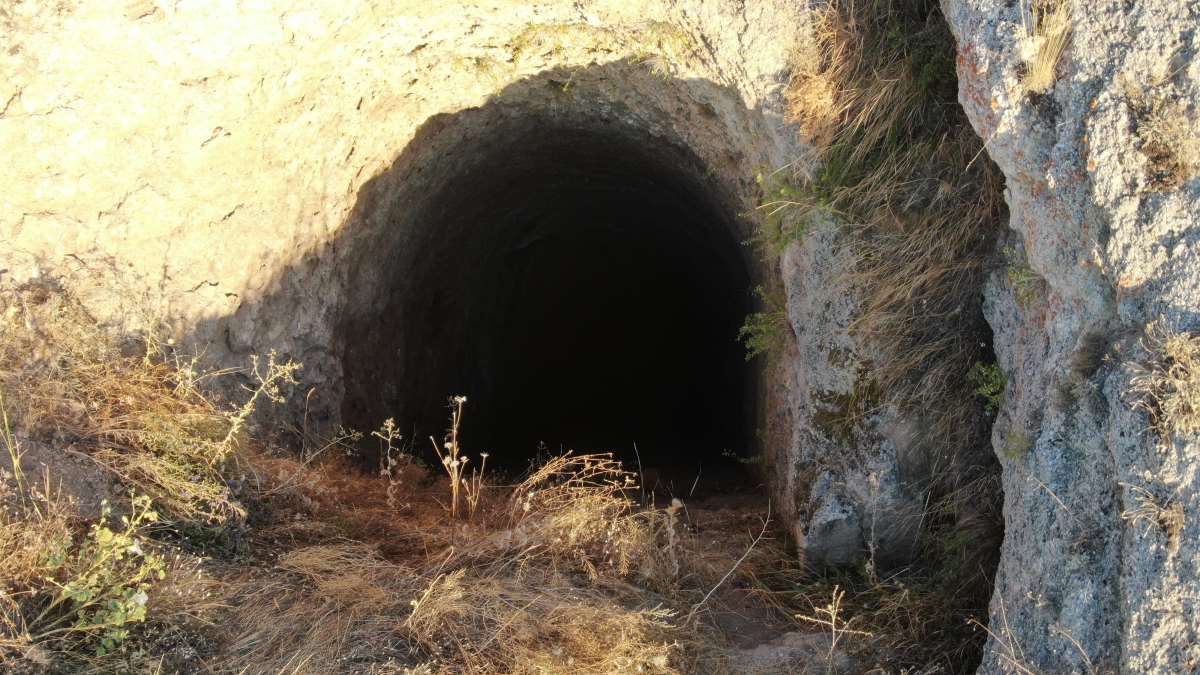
point(1166, 514)
point(1168, 386)
point(1047, 26)
point(1168, 142)
point(903, 170)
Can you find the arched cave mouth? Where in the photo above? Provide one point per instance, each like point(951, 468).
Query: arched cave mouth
point(583, 286)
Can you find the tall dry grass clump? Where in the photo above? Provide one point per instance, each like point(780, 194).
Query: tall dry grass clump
point(902, 170)
point(919, 205)
point(140, 413)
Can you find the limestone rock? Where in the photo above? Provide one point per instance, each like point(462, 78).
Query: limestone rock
point(1112, 246)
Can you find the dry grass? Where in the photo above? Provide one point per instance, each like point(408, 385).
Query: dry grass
point(1168, 385)
point(562, 574)
point(1170, 145)
point(1047, 27)
point(1150, 511)
point(350, 572)
point(903, 170)
point(915, 619)
point(142, 416)
point(919, 204)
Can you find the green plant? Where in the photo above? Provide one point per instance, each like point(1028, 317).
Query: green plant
point(103, 584)
point(1026, 284)
point(989, 382)
point(765, 332)
point(781, 222)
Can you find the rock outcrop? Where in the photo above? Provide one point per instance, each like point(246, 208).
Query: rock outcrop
point(1104, 243)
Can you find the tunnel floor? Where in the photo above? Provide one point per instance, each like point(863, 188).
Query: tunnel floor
point(585, 293)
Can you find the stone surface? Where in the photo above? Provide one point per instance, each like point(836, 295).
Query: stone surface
point(1080, 588)
point(256, 169)
point(255, 175)
point(75, 477)
point(842, 474)
point(792, 653)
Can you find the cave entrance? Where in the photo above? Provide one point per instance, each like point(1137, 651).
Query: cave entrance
point(584, 289)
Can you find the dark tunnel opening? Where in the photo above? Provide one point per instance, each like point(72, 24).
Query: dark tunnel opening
point(584, 289)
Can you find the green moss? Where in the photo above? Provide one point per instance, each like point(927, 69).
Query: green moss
point(840, 358)
point(1026, 284)
point(1016, 445)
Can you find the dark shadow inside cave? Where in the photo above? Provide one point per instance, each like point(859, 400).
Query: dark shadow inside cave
point(584, 290)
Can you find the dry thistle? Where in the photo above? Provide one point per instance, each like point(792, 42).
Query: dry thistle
point(389, 459)
point(830, 616)
point(455, 462)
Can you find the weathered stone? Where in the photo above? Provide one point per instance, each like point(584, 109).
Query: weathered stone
point(257, 176)
point(1080, 588)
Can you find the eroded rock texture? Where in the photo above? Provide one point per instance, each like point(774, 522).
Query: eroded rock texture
point(1104, 242)
point(272, 175)
point(267, 174)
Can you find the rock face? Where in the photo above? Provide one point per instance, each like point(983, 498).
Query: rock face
point(269, 176)
point(262, 174)
point(272, 177)
point(1104, 242)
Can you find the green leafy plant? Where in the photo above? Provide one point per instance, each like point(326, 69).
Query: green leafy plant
point(103, 584)
point(763, 332)
point(989, 383)
point(1026, 284)
point(781, 223)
